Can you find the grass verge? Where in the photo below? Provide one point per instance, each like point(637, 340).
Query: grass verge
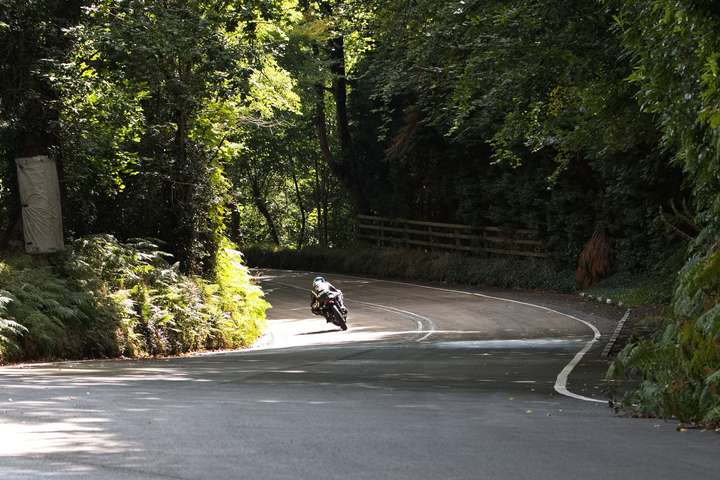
point(649, 288)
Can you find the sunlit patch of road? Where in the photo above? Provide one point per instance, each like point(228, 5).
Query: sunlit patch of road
point(79, 434)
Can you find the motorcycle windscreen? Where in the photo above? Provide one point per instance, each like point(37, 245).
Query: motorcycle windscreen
point(40, 200)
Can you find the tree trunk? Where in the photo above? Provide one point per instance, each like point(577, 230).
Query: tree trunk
point(321, 125)
point(343, 164)
point(40, 119)
point(339, 87)
point(264, 210)
point(183, 191)
point(36, 138)
point(326, 207)
point(318, 194)
point(235, 233)
point(301, 206)
point(13, 229)
point(320, 183)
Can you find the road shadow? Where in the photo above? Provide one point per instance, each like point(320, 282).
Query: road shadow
point(321, 331)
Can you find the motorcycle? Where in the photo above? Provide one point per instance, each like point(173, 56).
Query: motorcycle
point(332, 308)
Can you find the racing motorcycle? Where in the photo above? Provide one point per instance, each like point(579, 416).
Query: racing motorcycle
point(331, 307)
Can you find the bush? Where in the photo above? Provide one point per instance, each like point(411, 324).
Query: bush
point(240, 301)
point(654, 287)
point(51, 317)
point(679, 373)
point(679, 369)
point(8, 328)
point(105, 298)
point(503, 272)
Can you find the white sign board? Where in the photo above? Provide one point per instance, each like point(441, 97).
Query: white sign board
point(40, 200)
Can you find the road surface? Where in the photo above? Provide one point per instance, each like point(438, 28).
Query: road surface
point(427, 383)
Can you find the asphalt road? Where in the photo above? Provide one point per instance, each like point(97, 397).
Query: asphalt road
point(426, 384)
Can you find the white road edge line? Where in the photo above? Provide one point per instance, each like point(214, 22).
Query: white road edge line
point(431, 325)
point(562, 378)
point(418, 318)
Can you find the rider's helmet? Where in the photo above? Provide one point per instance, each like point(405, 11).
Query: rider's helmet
point(318, 280)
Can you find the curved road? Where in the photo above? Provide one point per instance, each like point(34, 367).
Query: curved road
point(427, 383)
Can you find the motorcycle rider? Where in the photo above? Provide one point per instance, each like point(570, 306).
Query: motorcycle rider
point(321, 288)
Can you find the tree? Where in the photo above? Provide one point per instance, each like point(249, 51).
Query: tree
point(511, 114)
point(322, 57)
point(675, 52)
point(34, 42)
point(177, 63)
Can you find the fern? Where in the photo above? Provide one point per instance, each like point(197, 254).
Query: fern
point(103, 297)
point(8, 328)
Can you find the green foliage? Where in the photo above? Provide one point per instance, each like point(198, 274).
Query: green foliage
point(163, 311)
point(149, 103)
point(636, 290)
point(32, 46)
point(105, 298)
point(678, 372)
point(514, 114)
point(237, 297)
point(674, 47)
point(283, 190)
point(272, 121)
point(417, 265)
point(49, 316)
point(655, 286)
point(152, 98)
point(8, 328)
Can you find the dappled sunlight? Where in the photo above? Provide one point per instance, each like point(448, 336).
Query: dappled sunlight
point(510, 210)
point(333, 337)
point(76, 435)
point(289, 332)
point(90, 412)
point(125, 408)
point(376, 324)
point(86, 378)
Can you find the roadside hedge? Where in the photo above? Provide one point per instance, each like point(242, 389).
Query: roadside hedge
point(104, 298)
point(501, 272)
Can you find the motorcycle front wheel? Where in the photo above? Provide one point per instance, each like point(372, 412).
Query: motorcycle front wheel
point(339, 318)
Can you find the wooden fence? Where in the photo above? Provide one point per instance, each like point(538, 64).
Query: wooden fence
point(450, 237)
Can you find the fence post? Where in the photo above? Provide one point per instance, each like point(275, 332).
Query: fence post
point(382, 233)
point(433, 235)
point(406, 237)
